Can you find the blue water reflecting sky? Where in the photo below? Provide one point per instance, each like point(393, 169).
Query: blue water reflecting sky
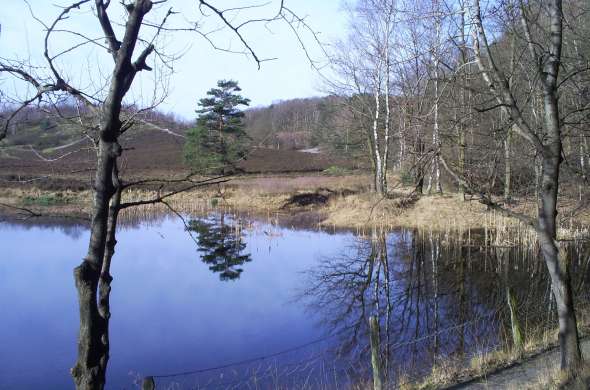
point(169, 312)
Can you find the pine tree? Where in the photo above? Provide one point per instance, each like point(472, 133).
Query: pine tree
point(218, 141)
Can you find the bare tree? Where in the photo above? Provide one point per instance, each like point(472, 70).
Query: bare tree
point(436, 50)
point(545, 51)
point(364, 65)
point(129, 44)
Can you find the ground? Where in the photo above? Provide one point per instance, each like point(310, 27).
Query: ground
point(265, 185)
point(310, 200)
point(540, 371)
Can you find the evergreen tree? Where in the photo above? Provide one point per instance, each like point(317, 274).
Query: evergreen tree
point(219, 139)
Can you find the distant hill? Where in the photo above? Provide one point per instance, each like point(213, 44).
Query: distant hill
point(47, 129)
point(40, 143)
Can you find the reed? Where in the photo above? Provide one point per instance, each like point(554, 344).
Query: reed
point(358, 210)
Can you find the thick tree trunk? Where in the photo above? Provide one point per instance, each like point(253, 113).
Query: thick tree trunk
point(552, 156)
point(556, 259)
point(90, 369)
point(88, 373)
point(549, 148)
point(104, 285)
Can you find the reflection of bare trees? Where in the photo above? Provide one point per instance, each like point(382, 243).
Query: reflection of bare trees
point(436, 298)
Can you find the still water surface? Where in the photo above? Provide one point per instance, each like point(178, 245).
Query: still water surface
point(169, 312)
point(299, 298)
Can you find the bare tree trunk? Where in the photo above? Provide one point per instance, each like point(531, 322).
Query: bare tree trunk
point(104, 285)
point(378, 175)
point(507, 165)
point(88, 372)
point(90, 369)
point(434, 180)
point(508, 140)
point(387, 117)
point(549, 148)
point(556, 259)
point(419, 163)
point(560, 279)
point(464, 100)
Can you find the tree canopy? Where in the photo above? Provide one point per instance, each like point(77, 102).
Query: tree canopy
point(218, 140)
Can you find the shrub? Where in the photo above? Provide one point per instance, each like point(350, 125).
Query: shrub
point(46, 200)
point(336, 171)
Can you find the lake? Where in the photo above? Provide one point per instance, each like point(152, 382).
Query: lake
point(225, 302)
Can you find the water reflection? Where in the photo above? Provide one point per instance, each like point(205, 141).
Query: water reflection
point(297, 318)
point(221, 245)
point(170, 313)
point(438, 299)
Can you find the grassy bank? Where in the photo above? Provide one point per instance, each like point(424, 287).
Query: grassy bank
point(540, 339)
point(337, 202)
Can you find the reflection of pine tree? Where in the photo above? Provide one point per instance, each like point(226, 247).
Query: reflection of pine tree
point(221, 246)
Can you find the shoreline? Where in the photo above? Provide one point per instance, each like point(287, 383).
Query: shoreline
point(312, 201)
point(346, 208)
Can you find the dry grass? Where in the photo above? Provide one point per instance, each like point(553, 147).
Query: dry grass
point(71, 204)
point(289, 184)
point(539, 339)
point(437, 212)
point(555, 379)
point(358, 209)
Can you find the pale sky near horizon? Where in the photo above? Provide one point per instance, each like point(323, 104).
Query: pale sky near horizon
point(290, 75)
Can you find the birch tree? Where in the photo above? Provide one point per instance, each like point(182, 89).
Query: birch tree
point(364, 67)
point(436, 50)
point(545, 52)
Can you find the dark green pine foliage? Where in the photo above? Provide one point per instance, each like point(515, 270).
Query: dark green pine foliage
point(221, 247)
point(218, 141)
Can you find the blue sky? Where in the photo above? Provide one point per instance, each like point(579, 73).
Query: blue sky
point(290, 75)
